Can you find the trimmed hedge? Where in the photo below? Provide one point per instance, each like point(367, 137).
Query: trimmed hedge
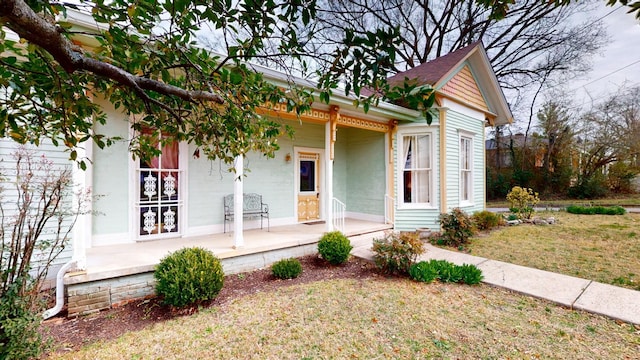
point(189, 276)
point(596, 210)
point(334, 247)
point(286, 269)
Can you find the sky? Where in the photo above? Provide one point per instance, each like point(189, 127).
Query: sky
point(620, 60)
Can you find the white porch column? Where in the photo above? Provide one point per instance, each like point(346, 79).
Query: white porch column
point(83, 181)
point(328, 171)
point(238, 236)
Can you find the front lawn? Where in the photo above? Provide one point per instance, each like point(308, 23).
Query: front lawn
point(628, 200)
point(604, 248)
point(378, 318)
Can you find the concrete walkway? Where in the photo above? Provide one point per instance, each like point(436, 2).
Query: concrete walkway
point(594, 297)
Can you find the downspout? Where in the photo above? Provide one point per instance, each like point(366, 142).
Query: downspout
point(59, 291)
point(81, 230)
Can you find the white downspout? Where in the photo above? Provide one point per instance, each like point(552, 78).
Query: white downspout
point(59, 291)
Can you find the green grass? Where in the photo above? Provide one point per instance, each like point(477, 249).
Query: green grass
point(378, 319)
point(603, 248)
point(631, 200)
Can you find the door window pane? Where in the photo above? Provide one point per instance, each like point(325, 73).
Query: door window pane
point(307, 175)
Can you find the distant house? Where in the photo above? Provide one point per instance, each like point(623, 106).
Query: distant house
point(386, 167)
point(500, 152)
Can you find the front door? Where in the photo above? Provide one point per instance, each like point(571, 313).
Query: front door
point(308, 185)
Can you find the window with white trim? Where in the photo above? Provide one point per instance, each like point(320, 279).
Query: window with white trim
point(415, 185)
point(466, 166)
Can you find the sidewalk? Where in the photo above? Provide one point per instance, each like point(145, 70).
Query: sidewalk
point(594, 297)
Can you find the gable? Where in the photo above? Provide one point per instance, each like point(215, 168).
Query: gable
point(464, 87)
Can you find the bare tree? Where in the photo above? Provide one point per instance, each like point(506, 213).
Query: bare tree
point(534, 42)
point(610, 132)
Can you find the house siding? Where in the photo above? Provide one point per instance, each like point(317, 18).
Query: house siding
point(459, 123)
point(273, 178)
point(111, 176)
point(366, 169)
point(9, 194)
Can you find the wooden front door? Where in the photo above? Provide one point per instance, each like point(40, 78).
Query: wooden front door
point(308, 186)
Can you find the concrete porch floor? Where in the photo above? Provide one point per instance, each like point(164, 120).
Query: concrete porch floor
point(106, 262)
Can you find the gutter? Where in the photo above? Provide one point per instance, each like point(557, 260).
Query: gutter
point(49, 313)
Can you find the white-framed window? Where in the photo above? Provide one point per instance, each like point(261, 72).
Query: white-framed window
point(415, 182)
point(160, 183)
point(466, 169)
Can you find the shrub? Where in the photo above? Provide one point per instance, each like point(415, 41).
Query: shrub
point(445, 271)
point(19, 335)
point(35, 231)
point(457, 228)
point(189, 276)
point(600, 210)
point(423, 271)
point(396, 252)
point(487, 220)
point(589, 188)
point(286, 269)
point(471, 275)
point(334, 247)
point(522, 200)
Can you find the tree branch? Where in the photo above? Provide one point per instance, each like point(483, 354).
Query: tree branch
point(20, 18)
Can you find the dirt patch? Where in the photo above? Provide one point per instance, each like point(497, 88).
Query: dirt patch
point(71, 334)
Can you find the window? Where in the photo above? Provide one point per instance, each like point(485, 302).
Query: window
point(416, 172)
point(466, 165)
point(159, 197)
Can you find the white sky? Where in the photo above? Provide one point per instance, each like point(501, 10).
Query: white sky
point(620, 61)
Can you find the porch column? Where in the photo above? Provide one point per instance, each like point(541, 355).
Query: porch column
point(328, 170)
point(82, 181)
point(238, 238)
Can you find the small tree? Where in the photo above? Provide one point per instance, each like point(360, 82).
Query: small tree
point(35, 227)
point(523, 201)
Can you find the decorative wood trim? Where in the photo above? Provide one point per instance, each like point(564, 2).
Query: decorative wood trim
point(334, 119)
point(463, 86)
point(360, 123)
point(280, 111)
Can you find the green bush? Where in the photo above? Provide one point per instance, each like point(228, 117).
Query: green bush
point(589, 188)
point(396, 252)
point(445, 271)
point(599, 210)
point(189, 276)
point(19, 324)
point(423, 271)
point(487, 220)
point(522, 200)
point(457, 228)
point(471, 275)
point(286, 269)
point(334, 247)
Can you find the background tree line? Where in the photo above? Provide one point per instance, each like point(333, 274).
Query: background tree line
point(580, 154)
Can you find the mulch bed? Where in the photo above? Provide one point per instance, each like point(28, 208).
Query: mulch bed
point(70, 334)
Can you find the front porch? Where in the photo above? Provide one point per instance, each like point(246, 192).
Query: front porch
point(120, 273)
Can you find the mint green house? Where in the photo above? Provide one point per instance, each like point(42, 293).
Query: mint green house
point(386, 168)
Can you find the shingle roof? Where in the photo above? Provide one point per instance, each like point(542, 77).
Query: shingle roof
point(433, 71)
